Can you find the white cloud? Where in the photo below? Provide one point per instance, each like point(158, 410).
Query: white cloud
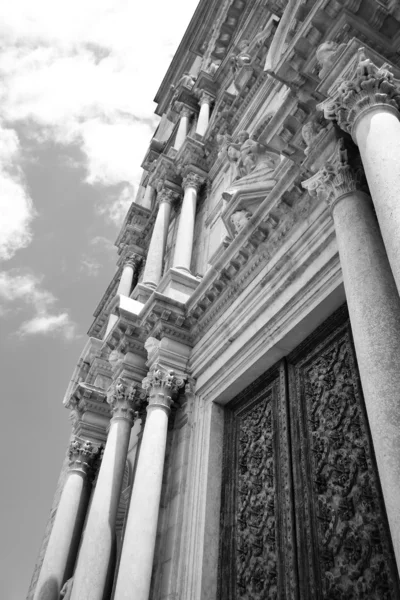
point(23, 291)
point(16, 208)
point(49, 324)
point(90, 266)
point(86, 73)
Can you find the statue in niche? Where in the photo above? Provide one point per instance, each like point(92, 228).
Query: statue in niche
point(242, 58)
point(239, 219)
point(326, 55)
point(246, 157)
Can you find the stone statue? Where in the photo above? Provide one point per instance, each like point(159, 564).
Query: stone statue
point(326, 55)
point(249, 149)
point(311, 132)
point(239, 219)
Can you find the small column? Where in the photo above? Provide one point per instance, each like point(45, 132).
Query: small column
point(147, 200)
point(134, 575)
point(367, 107)
point(183, 127)
point(184, 239)
point(204, 114)
point(374, 309)
point(155, 256)
point(91, 573)
point(129, 269)
point(62, 547)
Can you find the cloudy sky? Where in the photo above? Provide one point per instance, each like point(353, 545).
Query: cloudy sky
point(77, 80)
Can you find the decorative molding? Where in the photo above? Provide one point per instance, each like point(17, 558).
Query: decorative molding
point(368, 87)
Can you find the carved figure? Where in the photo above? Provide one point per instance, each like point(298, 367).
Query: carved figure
point(326, 55)
point(311, 131)
point(239, 219)
point(243, 58)
point(249, 150)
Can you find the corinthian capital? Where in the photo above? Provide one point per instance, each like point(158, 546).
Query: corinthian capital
point(161, 386)
point(369, 86)
point(82, 456)
point(166, 195)
point(124, 399)
point(192, 180)
point(337, 178)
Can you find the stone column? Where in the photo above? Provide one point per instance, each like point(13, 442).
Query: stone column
point(155, 256)
point(184, 238)
point(134, 575)
point(367, 107)
point(183, 127)
point(147, 200)
point(62, 548)
point(374, 308)
point(91, 573)
point(204, 114)
point(125, 285)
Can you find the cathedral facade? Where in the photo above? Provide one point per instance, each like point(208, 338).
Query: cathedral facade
point(236, 408)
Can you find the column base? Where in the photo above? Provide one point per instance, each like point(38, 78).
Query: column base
point(178, 284)
point(142, 292)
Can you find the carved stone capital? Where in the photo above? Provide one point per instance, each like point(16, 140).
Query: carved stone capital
point(161, 386)
point(183, 110)
point(193, 180)
point(122, 399)
point(167, 196)
point(337, 178)
point(133, 260)
point(369, 87)
point(205, 98)
point(82, 456)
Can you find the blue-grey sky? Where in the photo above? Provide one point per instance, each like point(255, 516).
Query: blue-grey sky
point(77, 80)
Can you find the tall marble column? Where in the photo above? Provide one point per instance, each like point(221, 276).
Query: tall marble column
point(374, 309)
point(134, 575)
point(155, 255)
point(204, 114)
point(184, 238)
point(91, 573)
point(62, 548)
point(183, 126)
point(367, 106)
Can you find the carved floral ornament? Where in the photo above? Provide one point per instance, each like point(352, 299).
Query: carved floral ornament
point(337, 178)
point(163, 379)
point(126, 400)
point(167, 196)
point(193, 180)
point(370, 86)
point(82, 455)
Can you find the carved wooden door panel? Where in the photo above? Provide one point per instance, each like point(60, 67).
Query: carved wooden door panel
point(302, 512)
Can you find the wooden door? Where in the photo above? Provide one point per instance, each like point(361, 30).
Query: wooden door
point(302, 511)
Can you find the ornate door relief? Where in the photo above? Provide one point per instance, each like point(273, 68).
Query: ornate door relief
point(302, 512)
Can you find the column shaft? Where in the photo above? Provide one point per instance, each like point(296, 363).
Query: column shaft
point(134, 575)
point(374, 308)
point(204, 117)
point(92, 572)
point(136, 563)
point(183, 128)
point(377, 133)
point(184, 238)
point(125, 283)
point(147, 200)
point(155, 256)
point(62, 547)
